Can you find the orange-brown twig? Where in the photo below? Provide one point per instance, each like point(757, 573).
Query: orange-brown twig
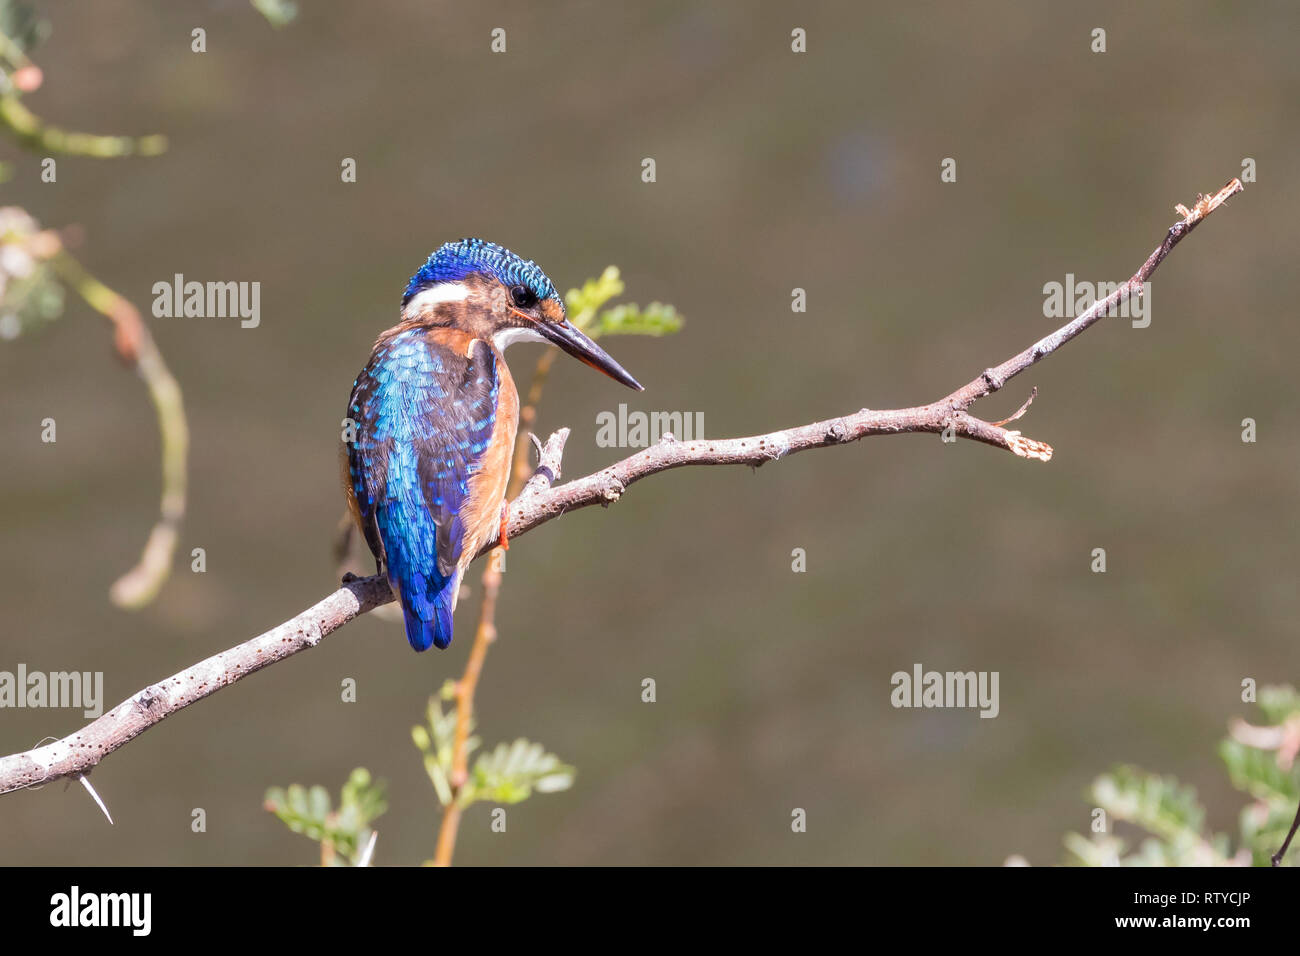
point(486, 632)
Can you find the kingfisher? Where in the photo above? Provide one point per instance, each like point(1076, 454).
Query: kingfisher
point(433, 417)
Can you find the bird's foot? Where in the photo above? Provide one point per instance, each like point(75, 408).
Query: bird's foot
point(505, 519)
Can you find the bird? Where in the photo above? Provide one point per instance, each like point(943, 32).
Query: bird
point(431, 423)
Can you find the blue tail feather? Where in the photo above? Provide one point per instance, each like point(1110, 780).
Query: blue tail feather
point(435, 632)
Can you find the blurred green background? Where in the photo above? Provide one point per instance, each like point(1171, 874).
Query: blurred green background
point(775, 171)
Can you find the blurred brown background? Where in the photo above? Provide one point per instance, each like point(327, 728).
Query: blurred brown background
point(775, 170)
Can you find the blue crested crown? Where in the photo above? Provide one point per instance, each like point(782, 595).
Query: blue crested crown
point(456, 260)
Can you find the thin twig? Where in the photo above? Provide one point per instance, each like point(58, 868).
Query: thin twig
point(32, 132)
point(1276, 858)
point(140, 585)
point(540, 502)
point(548, 470)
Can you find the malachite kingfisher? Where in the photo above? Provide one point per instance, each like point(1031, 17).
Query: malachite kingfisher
point(433, 416)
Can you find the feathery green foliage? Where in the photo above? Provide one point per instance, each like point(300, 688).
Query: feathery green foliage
point(507, 774)
point(345, 833)
point(1260, 761)
point(278, 13)
point(586, 310)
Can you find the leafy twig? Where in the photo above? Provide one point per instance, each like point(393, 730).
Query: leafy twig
point(32, 132)
point(140, 585)
point(43, 255)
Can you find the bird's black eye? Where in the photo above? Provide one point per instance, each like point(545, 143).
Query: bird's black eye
point(522, 297)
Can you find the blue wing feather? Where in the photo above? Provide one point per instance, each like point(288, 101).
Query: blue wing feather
point(425, 414)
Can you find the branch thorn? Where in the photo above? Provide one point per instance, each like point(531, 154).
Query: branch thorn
point(85, 782)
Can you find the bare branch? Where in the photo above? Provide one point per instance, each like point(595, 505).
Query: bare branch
point(81, 751)
point(539, 502)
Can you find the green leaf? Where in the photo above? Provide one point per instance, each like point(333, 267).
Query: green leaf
point(278, 13)
point(511, 773)
point(346, 830)
point(298, 801)
point(1165, 809)
point(1174, 818)
point(655, 319)
point(1256, 772)
point(1263, 828)
point(1102, 850)
point(1158, 804)
point(1279, 703)
point(436, 742)
point(583, 304)
point(421, 738)
point(20, 22)
point(319, 802)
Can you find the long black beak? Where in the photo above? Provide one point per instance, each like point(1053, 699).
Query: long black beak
point(567, 337)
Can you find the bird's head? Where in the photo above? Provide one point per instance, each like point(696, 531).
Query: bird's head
point(486, 289)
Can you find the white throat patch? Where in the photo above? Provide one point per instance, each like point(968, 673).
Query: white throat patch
point(510, 336)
